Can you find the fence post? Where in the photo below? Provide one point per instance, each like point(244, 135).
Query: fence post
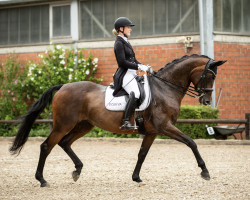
point(247, 125)
point(51, 123)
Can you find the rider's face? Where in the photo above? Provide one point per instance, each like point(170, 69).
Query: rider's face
point(127, 30)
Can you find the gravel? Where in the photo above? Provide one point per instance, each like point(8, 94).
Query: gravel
point(170, 171)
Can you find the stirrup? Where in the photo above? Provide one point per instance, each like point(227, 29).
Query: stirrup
point(128, 126)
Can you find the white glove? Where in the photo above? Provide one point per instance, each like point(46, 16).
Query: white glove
point(150, 69)
point(145, 68)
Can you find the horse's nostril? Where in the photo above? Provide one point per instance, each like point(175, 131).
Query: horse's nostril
point(207, 102)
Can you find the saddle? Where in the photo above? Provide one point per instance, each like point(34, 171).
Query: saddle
point(118, 103)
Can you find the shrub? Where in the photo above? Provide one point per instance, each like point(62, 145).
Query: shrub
point(97, 132)
point(60, 66)
point(196, 131)
point(21, 85)
point(12, 92)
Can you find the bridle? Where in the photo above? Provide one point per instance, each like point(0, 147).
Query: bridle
point(202, 90)
point(194, 91)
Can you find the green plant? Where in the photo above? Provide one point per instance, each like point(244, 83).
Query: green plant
point(12, 91)
point(12, 94)
point(59, 66)
point(97, 132)
point(23, 85)
point(196, 131)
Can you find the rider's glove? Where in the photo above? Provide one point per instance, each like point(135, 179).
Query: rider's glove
point(145, 68)
point(150, 69)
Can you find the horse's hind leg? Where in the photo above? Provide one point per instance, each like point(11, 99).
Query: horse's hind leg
point(45, 149)
point(78, 131)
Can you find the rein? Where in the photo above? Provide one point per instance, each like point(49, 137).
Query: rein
point(190, 90)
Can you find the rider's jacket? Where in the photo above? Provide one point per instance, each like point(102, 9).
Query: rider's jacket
point(125, 58)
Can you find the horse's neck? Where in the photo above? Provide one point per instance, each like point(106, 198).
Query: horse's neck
point(180, 73)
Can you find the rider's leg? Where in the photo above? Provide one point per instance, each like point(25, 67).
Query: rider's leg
point(131, 87)
point(130, 84)
point(129, 110)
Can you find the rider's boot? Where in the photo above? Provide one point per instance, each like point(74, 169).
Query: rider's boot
point(129, 110)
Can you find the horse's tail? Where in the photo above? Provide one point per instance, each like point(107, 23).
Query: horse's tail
point(29, 119)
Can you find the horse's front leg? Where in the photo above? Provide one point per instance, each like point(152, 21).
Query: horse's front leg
point(176, 134)
point(146, 144)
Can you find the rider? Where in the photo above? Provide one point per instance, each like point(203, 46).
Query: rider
point(124, 78)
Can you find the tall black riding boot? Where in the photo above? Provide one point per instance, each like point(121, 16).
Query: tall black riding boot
point(129, 110)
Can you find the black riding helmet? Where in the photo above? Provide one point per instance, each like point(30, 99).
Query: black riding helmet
point(122, 22)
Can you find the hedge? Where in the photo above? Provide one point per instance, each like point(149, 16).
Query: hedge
point(196, 131)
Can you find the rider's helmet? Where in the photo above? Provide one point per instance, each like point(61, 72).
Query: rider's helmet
point(122, 22)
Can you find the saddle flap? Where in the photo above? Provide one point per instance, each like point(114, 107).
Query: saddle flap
point(119, 103)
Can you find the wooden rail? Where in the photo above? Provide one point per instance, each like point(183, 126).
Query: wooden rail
point(245, 121)
point(211, 121)
point(42, 121)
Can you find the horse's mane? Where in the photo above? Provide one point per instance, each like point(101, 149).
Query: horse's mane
point(180, 60)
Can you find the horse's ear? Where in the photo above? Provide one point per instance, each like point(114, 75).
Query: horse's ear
point(217, 63)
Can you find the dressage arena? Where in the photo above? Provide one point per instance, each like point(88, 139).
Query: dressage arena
point(170, 171)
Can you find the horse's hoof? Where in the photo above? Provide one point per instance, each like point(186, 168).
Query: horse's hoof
point(45, 184)
point(205, 175)
point(141, 184)
point(137, 179)
point(75, 176)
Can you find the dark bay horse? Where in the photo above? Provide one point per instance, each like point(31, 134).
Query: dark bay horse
point(78, 107)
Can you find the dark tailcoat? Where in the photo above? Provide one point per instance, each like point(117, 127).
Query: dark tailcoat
point(125, 58)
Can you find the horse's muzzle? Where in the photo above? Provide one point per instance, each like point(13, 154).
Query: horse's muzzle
point(205, 100)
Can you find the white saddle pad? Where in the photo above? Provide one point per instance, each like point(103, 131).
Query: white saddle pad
point(119, 103)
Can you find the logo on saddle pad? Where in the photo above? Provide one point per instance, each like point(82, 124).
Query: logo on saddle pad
point(114, 104)
point(119, 103)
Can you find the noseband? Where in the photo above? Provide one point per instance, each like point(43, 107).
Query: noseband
point(195, 91)
point(202, 90)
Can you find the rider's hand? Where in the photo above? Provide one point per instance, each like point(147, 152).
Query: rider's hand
point(145, 68)
point(150, 69)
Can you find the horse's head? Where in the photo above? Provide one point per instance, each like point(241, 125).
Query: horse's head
point(203, 79)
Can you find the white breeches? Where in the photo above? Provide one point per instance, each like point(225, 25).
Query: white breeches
point(130, 84)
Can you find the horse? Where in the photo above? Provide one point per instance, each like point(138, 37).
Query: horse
point(78, 107)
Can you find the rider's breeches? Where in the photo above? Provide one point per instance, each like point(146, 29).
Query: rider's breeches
point(130, 84)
